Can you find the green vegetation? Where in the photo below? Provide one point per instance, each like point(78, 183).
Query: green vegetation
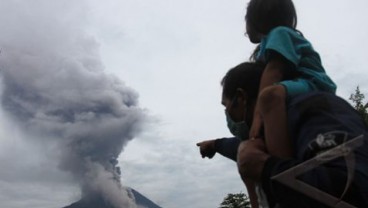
point(358, 103)
point(239, 200)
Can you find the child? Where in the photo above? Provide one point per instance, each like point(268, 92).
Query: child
point(292, 68)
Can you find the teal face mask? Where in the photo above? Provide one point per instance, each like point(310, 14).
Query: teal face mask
point(238, 129)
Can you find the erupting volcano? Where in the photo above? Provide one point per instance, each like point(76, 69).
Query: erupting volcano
point(55, 88)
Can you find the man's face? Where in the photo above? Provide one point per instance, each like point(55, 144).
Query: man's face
point(235, 107)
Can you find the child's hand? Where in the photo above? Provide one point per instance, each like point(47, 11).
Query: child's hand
point(256, 126)
point(251, 159)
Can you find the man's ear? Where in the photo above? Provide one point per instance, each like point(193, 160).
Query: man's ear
point(241, 96)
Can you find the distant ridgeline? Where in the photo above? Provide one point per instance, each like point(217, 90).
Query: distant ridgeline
point(143, 201)
point(99, 202)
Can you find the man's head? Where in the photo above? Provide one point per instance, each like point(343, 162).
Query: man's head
point(240, 90)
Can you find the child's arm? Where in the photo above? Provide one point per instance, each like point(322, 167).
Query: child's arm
point(271, 109)
point(273, 73)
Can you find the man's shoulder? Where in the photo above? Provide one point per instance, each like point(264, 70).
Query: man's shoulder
point(320, 108)
point(311, 99)
point(320, 112)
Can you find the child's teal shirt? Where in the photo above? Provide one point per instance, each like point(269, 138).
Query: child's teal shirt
point(304, 59)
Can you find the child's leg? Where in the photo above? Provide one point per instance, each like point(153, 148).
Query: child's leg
point(256, 124)
point(272, 106)
point(251, 189)
point(249, 184)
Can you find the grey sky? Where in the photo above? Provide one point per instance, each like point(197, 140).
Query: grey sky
point(173, 54)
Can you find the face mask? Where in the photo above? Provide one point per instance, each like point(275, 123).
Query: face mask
point(238, 129)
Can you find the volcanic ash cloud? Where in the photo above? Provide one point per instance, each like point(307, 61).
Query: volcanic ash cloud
point(54, 87)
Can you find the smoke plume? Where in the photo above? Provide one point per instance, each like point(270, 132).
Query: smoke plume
point(54, 87)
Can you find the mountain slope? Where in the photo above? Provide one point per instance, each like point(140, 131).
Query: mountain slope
point(142, 200)
point(99, 202)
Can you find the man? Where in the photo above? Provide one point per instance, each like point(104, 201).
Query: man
point(318, 123)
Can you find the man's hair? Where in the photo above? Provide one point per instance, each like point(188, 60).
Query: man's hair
point(246, 76)
point(264, 15)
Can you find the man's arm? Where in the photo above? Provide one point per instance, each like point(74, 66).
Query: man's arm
point(326, 179)
point(227, 147)
point(255, 164)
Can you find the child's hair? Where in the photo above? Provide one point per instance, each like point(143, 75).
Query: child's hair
point(253, 56)
point(264, 15)
point(246, 76)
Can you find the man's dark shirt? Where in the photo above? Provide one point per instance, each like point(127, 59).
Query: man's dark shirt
point(317, 122)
